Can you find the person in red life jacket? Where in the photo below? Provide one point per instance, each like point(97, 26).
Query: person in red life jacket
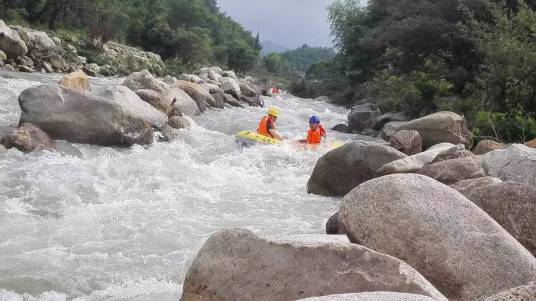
point(316, 132)
point(267, 125)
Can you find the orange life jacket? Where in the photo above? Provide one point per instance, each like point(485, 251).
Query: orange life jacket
point(263, 127)
point(315, 137)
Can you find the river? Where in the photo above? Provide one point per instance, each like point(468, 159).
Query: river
point(100, 223)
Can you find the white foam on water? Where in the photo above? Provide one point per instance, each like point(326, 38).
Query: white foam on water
point(99, 223)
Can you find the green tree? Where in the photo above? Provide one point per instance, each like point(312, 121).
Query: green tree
point(508, 78)
point(257, 46)
point(274, 63)
point(241, 56)
point(303, 57)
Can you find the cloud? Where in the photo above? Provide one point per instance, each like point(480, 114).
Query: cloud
point(287, 22)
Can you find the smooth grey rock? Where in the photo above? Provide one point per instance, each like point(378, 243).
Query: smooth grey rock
point(231, 86)
point(27, 138)
point(10, 42)
point(486, 146)
point(516, 163)
point(374, 296)
point(453, 243)
point(511, 204)
point(79, 117)
point(525, 292)
point(341, 170)
point(408, 142)
point(435, 128)
point(454, 170)
point(144, 80)
point(238, 265)
point(415, 162)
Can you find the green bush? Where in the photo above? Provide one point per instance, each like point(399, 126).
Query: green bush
point(515, 126)
point(274, 63)
point(14, 16)
point(416, 94)
point(92, 55)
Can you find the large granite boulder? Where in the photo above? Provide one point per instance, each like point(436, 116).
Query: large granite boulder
point(117, 116)
point(454, 170)
point(434, 129)
point(408, 142)
point(37, 42)
point(340, 170)
point(155, 99)
point(58, 62)
point(182, 102)
point(516, 163)
point(239, 265)
point(135, 105)
point(10, 42)
point(201, 96)
point(451, 241)
point(144, 80)
point(249, 89)
point(230, 85)
point(511, 204)
point(363, 117)
point(416, 162)
point(384, 119)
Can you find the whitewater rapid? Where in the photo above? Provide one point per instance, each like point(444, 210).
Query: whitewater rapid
point(100, 223)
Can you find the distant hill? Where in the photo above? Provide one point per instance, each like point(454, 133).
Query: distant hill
point(269, 47)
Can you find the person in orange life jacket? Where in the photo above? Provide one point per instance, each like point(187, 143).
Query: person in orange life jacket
point(316, 132)
point(267, 125)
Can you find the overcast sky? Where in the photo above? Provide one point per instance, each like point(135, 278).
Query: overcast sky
point(290, 23)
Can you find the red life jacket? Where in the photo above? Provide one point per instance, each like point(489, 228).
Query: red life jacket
point(263, 127)
point(315, 137)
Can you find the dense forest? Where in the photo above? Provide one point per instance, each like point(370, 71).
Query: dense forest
point(299, 59)
point(186, 33)
point(475, 57)
point(303, 57)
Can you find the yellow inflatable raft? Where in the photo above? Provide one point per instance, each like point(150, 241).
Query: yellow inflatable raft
point(248, 138)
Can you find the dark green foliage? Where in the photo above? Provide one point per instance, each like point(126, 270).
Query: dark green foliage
point(303, 57)
point(514, 126)
point(507, 80)
point(187, 33)
point(274, 63)
point(257, 46)
point(474, 57)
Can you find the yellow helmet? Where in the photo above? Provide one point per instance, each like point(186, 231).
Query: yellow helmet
point(273, 111)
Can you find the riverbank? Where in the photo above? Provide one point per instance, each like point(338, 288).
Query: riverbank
point(28, 50)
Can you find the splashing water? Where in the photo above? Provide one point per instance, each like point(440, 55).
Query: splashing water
point(99, 223)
